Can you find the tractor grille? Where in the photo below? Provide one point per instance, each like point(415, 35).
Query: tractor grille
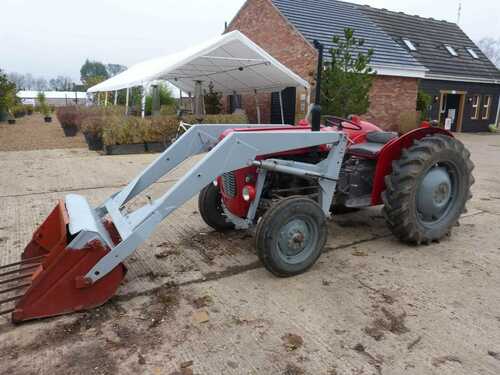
point(229, 184)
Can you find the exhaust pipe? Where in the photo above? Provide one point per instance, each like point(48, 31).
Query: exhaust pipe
point(316, 108)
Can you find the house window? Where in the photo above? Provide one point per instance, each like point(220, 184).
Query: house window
point(475, 107)
point(486, 107)
point(410, 44)
point(451, 50)
point(472, 53)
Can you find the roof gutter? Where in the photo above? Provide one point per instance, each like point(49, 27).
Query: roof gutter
point(399, 70)
point(440, 77)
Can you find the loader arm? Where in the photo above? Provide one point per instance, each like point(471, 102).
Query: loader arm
point(75, 258)
point(235, 151)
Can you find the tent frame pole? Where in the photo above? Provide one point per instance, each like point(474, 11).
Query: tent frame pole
point(126, 101)
point(143, 102)
point(281, 108)
point(257, 107)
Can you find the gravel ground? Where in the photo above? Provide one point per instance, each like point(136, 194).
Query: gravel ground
point(197, 302)
point(32, 133)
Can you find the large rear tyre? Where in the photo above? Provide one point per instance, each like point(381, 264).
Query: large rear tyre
point(291, 236)
point(211, 211)
point(428, 189)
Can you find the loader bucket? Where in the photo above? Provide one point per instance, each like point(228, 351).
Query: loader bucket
point(50, 278)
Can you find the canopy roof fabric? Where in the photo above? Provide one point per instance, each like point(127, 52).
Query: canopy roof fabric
point(27, 94)
point(231, 63)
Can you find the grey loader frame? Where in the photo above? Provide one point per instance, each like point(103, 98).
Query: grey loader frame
point(238, 149)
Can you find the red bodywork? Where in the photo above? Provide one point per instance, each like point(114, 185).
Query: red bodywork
point(390, 152)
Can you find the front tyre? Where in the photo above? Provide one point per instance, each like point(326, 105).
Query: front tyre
point(291, 236)
point(211, 211)
point(427, 190)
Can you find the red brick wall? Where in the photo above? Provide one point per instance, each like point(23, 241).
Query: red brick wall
point(265, 25)
point(391, 98)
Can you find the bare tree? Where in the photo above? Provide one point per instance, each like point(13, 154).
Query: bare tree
point(18, 79)
point(491, 48)
point(41, 84)
point(61, 83)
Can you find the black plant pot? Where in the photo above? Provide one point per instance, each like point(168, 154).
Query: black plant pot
point(136, 148)
point(94, 141)
point(70, 131)
point(47, 119)
point(155, 147)
point(11, 121)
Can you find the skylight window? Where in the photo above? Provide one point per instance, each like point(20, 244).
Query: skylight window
point(472, 53)
point(451, 50)
point(410, 44)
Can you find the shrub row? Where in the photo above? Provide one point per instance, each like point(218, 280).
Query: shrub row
point(110, 125)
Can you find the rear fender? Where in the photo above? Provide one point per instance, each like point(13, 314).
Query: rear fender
point(391, 152)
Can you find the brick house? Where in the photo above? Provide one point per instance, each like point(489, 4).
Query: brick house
point(286, 29)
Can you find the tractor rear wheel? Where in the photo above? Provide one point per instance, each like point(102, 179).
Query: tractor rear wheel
point(428, 188)
point(211, 211)
point(291, 236)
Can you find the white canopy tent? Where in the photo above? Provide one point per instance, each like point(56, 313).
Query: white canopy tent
point(231, 63)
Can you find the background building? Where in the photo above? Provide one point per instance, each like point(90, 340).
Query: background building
point(410, 54)
point(56, 98)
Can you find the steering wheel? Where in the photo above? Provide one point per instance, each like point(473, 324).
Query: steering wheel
point(338, 122)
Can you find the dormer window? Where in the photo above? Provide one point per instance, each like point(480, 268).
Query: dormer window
point(451, 50)
point(472, 53)
point(410, 44)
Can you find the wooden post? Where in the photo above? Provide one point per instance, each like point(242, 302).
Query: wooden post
point(116, 97)
point(106, 99)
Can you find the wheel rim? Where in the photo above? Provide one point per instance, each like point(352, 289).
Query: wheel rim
point(297, 239)
point(437, 193)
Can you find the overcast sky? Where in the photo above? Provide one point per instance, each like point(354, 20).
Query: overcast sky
point(54, 37)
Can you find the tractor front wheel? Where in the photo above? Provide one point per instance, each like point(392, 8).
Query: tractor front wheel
point(211, 211)
point(291, 235)
point(427, 190)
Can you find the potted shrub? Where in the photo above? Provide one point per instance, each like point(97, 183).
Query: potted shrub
point(123, 135)
point(92, 128)
point(46, 113)
point(159, 133)
point(29, 109)
point(45, 110)
point(69, 118)
point(10, 118)
point(18, 111)
point(7, 96)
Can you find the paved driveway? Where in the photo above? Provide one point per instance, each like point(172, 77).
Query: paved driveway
point(198, 302)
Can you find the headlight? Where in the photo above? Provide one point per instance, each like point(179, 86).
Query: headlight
point(248, 193)
point(215, 183)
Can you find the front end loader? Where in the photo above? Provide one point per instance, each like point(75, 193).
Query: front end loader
point(284, 181)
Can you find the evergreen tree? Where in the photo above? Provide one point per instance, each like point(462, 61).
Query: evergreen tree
point(347, 78)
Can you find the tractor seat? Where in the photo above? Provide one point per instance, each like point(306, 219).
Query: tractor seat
point(375, 141)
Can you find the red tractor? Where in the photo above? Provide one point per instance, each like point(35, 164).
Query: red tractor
point(285, 180)
point(422, 179)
